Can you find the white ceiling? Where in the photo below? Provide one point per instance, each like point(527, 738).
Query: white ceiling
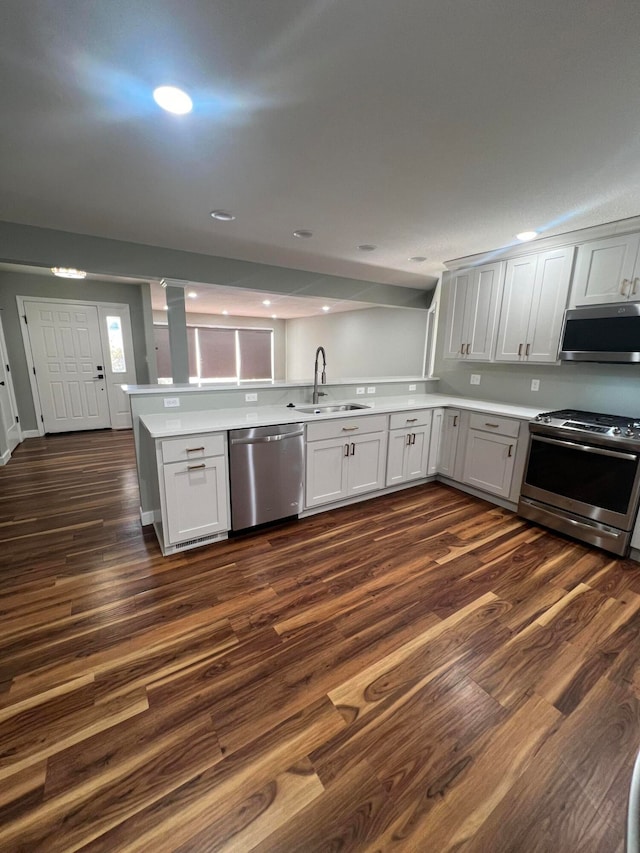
point(425, 127)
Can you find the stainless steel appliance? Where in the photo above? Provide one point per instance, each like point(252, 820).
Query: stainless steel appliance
point(606, 333)
point(266, 473)
point(582, 476)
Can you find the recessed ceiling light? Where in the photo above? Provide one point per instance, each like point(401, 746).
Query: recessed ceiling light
point(274, 316)
point(326, 308)
point(68, 272)
point(223, 215)
point(225, 312)
point(192, 295)
point(303, 233)
point(173, 100)
point(165, 307)
point(266, 302)
point(417, 259)
point(525, 236)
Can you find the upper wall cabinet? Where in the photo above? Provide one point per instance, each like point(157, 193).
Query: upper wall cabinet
point(607, 271)
point(535, 296)
point(471, 315)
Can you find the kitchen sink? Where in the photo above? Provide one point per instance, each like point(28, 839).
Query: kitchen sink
point(321, 410)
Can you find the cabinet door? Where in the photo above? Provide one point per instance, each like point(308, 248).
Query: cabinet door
point(516, 308)
point(481, 310)
point(489, 462)
point(548, 303)
point(449, 442)
point(459, 286)
point(417, 453)
point(195, 499)
point(326, 477)
point(605, 271)
point(398, 445)
point(434, 441)
point(367, 463)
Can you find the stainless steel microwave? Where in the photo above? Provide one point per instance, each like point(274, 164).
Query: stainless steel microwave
point(606, 333)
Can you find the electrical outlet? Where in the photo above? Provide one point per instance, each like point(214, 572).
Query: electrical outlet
point(412, 387)
point(371, 389)
point(360, 390)
point(251, 398)
point(475, 379)
point(171, 402)
point(535, 384)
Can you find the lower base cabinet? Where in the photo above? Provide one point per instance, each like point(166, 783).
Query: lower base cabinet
point(409, 442)
point(490, 454)
point(350, 461)
point(192, 490)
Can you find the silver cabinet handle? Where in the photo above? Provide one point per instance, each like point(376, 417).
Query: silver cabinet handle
point(468, 349)
point(519, 350)
point(625, 282)
point(349, 429)
point(194, 449)
point(527, 350)
point(193, 467)
point(635, 285)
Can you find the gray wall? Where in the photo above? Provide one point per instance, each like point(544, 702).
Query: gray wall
point(14, 284)
point(611, 388)
point(366, 343)
point(278, 326)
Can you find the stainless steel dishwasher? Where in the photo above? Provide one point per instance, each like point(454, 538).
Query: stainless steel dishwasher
point(267, 472)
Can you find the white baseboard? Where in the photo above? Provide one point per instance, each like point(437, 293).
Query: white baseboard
point(147, 517)
point(31, 433)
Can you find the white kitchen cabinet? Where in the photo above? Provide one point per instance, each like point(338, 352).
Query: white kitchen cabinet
point(437, 419)
point(533, 302)
point(345, 458)
point(471, 315)
point(409, 441)
point(191, 490)
point(449, 442)
point(607, 270)
point(490, 453)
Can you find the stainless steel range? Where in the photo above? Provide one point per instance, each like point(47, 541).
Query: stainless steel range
point(582, 476)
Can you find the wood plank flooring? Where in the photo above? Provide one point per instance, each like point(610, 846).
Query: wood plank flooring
point(420, 672)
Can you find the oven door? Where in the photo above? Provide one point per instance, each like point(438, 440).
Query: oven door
point(599, 483)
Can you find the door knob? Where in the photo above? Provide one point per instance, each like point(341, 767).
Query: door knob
point(99, 376)
point(2, 383)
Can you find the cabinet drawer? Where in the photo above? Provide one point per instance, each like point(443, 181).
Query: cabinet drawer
point(407, 420)
point(490, 423)
point(342, 427)
point(193, 447)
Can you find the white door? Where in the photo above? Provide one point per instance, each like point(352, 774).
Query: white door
point(69, 365)
point(10, 434)
point(605, 271)
point(326, 475)
point(368, 454)
point(489, 462)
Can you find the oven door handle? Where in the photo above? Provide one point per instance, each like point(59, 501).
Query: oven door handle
point(587, 448)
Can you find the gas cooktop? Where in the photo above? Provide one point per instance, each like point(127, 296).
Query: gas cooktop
point(617, 426)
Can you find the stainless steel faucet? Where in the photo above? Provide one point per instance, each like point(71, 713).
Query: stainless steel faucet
point(317, 394)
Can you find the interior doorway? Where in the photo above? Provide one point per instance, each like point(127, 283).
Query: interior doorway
point(10, 433)
point(79, 355)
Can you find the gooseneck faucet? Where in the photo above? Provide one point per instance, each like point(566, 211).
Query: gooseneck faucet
point(317, 394)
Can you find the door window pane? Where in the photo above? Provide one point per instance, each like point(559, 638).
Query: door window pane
point(163, 353)
point(116, 345)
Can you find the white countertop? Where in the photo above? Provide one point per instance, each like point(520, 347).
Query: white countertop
point(187, 423)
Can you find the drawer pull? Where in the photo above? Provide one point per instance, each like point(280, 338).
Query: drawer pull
point(346, 450)
point(493, 426)
point(411, 420)
point(625, 282)
point(349, 429)
point(510, 453)
point(527, 350)
point(194, 449)
point(193, 467)
point(519, 350)
point(468, 349)
point(353, 449)
point(455, 420)
point(413, 438)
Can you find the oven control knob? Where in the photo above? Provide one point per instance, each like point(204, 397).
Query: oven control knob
point(547, 419)
point(616, 430)
point(538, 418)
point(628, 432)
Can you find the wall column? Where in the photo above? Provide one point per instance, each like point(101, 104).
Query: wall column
point(177, 320)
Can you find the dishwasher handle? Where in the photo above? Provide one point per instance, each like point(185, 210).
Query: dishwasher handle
point(264, 438)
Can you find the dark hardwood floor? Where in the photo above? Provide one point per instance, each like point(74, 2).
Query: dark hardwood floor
point(420, 672)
